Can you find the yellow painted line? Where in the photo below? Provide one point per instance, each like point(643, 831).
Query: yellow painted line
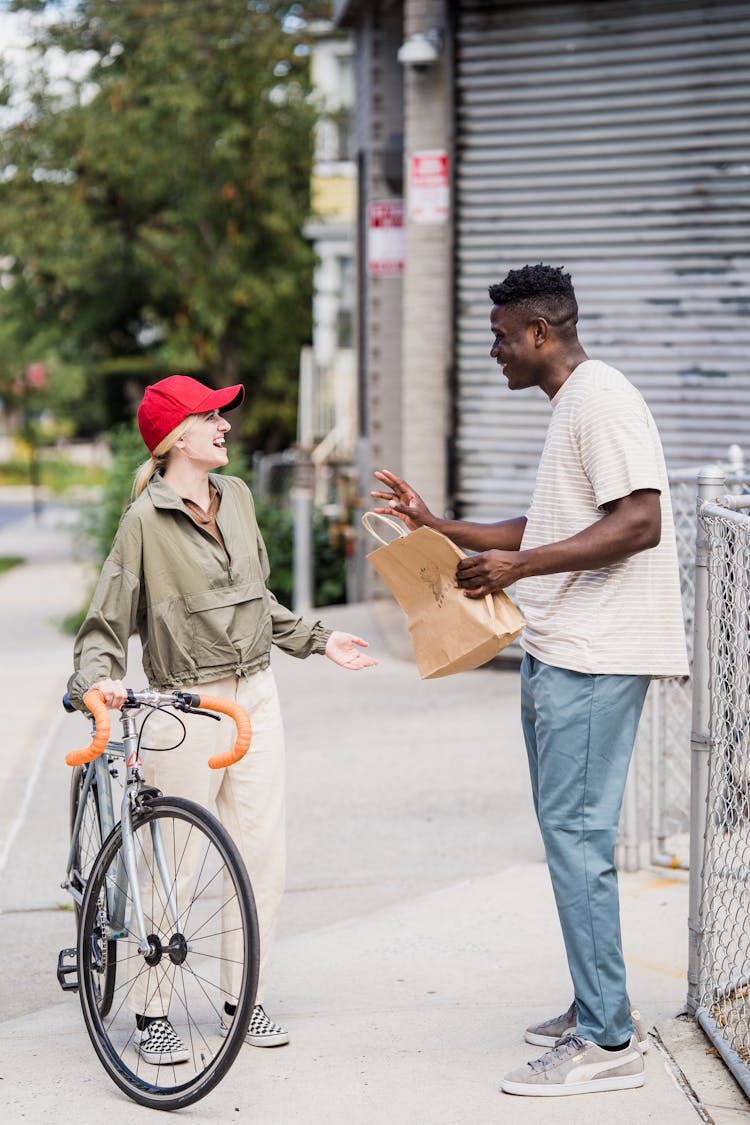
point(656, 884)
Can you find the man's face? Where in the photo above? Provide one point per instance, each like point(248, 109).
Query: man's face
point(513, 347)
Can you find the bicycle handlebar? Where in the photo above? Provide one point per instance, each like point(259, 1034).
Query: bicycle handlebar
point(241, 721)
point(94, 701)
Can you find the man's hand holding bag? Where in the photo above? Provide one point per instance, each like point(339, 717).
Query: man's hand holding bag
point(450, 632)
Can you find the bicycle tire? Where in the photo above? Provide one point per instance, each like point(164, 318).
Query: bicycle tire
point(88, 846)
point(203, 861)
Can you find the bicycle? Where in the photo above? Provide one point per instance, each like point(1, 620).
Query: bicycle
point(165, 912)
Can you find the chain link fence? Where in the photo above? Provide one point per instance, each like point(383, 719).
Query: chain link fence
point(719, 972)
point(655, 828)
point(660, 790)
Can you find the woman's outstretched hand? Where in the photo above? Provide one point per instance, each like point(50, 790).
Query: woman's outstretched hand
point(403, 501)
point(344, 649)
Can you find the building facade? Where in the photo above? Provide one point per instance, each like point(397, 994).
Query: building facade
point(611, 138)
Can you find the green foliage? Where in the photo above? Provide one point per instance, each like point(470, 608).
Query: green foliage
point(330, 563)
point(54, 473)
point(277, 527)
point(153, 210)
point(102, 519)
point(7, 562)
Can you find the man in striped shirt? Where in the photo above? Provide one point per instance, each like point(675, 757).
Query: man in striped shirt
point(594, 561)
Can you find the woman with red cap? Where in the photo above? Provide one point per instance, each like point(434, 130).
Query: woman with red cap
point(188, 571)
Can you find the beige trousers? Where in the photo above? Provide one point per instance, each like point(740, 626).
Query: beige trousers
point(248, 798)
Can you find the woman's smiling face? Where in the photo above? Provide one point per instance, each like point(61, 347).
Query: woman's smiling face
point(203, 442)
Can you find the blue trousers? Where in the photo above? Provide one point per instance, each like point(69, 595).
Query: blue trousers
point(579, 731)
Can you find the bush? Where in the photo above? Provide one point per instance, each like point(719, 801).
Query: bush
point(103, 518)
point(277, 527)
point(7, 562)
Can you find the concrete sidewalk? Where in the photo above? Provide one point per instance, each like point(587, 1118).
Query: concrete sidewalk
point(418, 935)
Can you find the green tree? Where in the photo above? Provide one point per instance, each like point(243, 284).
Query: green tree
point(151, 209)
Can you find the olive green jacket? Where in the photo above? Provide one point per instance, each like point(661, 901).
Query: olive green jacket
point(199, 614)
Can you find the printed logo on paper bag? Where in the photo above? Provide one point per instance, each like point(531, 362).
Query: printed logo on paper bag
point(432, 577)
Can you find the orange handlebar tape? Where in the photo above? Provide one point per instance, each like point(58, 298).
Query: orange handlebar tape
point(94, 700)
point(244, 730)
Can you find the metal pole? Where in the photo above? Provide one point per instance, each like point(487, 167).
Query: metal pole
point(658, 836)
point(302, 508)
point(710, 484)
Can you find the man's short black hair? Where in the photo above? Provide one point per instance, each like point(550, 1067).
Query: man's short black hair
point(539, 291)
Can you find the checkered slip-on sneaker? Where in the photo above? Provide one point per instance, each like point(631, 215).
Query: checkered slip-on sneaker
point(577, 1066)
point(546, 1034)
point(159, 1043)
point(262, 1032)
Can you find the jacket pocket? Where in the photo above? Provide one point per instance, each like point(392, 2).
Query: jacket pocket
point(229, 623)
point(221, 596)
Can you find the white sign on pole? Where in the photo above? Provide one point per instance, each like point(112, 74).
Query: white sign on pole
point(429, 187)
point(385, 238)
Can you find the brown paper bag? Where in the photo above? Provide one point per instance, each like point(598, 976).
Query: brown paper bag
point(450, 632)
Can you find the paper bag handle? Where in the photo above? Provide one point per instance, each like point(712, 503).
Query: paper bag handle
point(395, 525)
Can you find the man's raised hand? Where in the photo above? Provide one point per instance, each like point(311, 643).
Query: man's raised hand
point(403, 501)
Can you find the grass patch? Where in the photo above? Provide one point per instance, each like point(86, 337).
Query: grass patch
point(7, 562)
point(55, 473)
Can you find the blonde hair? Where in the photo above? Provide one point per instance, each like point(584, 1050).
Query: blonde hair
point(157, 462)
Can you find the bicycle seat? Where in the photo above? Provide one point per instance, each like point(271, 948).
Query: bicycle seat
point(67, 704)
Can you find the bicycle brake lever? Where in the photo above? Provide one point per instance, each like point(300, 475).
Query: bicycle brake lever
point(198, 711)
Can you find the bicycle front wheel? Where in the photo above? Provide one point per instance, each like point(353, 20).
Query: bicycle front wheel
point(202, 955)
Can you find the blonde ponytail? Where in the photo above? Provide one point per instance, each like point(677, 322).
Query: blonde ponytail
point(143, 475)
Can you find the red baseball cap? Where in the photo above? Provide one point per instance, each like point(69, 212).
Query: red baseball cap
point(168, 402)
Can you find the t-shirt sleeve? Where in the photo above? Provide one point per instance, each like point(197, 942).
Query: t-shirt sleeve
point(615, 433)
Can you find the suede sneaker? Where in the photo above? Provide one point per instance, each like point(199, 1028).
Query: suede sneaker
point(577, 1066)
point(159, 1044)
point(546, 1034)
point(262, 1032)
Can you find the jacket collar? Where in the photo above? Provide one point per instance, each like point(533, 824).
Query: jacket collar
point(162, 496)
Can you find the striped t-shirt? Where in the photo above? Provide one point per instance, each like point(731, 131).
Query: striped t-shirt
point(602, 444)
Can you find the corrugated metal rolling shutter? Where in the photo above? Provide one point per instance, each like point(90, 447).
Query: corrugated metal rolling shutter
point(612, 139)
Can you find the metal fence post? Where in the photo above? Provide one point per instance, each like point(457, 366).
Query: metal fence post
point(657, 778)
point(710, 485)
point(304, 562)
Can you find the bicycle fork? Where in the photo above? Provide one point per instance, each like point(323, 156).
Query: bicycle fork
point(134, 765)
point(131, 868)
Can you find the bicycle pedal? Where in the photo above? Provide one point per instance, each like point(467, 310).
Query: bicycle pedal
point(65, 969)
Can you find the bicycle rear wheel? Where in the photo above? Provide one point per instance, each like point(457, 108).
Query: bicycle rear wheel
point(203, 952)
point(88, 845)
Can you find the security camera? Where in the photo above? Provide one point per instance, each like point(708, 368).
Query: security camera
point(422, 49)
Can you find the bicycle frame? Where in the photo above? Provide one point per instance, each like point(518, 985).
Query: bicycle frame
point(127, 750)
point(98, 770)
